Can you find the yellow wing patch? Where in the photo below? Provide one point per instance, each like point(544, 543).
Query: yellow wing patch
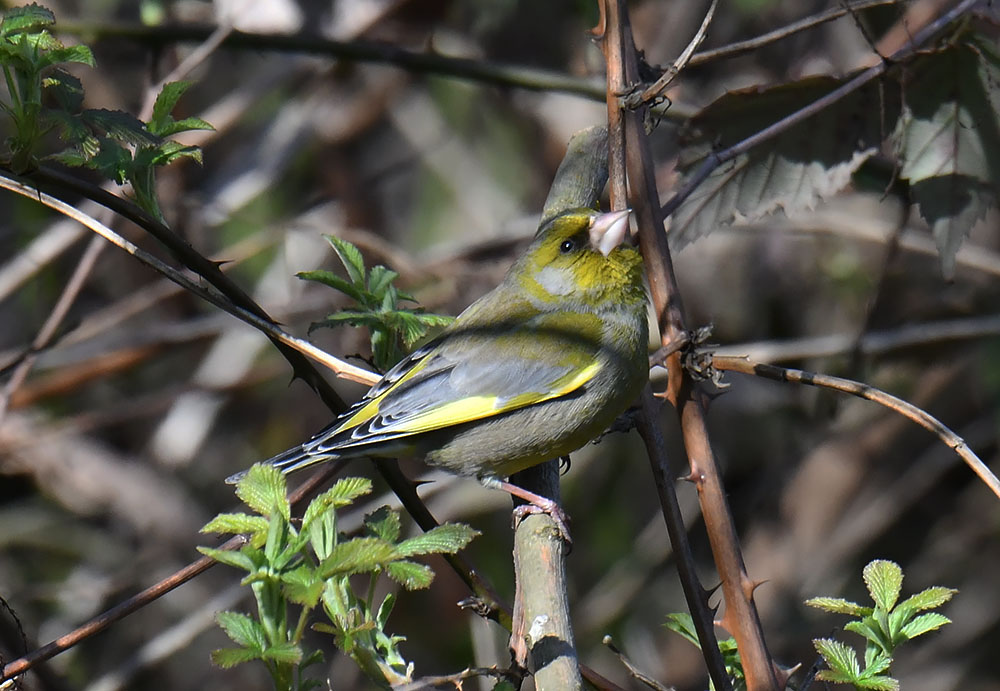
point(471, 407)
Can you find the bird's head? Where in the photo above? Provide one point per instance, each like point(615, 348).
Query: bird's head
point(583, 256)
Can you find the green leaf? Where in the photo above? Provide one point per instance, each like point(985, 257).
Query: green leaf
point(283, 653)
point(872, 631)
point(927, 599)
point(331, 279)
point(302, 586)
point(444, 539)
point(25, 19)
point(165, 102)
point(379, 279)
point(263, 489)
point(235, 558)
point(839, 657)
point(682, 623)
point(839, 606)
point(67, 90)
point(79, 54)
point(384, 610)
point(924, 624)
point(360, 555)
point(235, 524)
point(183, 125)
point(168, 152)
point(230, 657)
point(343, 493)
point(410, 574)
point(350, 257)
point(884, 580)
point(243, 630)
point(120, 126)
point(383, 523)
point(351, 317)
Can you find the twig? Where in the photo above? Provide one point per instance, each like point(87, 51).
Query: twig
point(637, 98)
point(869, 393)
point(341, 368)
point(636, 673)
point(741, 47)
point(453, 680)
point(715, 159)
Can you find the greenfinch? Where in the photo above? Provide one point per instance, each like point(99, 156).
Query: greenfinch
point(531, 371)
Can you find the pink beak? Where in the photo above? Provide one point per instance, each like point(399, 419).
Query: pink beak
point(608, 230)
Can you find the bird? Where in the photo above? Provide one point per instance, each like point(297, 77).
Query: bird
point(531, 371)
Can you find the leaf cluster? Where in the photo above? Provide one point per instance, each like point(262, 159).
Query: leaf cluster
point(310, 567)
point(45, 97)
point(681, 623)
point(884, 627)
point(393, 330)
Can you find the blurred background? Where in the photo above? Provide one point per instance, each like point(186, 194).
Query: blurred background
point(113, 451)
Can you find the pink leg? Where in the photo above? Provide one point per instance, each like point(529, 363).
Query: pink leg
point(536, 504)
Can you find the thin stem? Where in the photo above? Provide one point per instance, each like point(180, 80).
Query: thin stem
point(869, 393)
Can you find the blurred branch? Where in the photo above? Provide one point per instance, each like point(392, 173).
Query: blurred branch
point(869, 393)
point(341, 368)
point(741, 47)
point(482, 71)
point(629, 148)
point(717, 158)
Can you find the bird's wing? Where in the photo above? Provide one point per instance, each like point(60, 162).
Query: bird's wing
point(464, 378)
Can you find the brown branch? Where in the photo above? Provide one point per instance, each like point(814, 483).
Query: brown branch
point(626, 129)
point(715, 159)
point(741, 618)
point(869, 393)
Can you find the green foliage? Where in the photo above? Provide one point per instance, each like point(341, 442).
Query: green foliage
point(884, 627)
point(45, 97)
point(393, 330)
point(309, 568)
point(681, 623)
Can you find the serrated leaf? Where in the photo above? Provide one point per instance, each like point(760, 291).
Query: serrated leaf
point(350, 257)
point(235, 558)
point(839, 606)
point(444, 539)
point(25, 19)
point(410, 574)
point(170, 151)
point(928, 598)
point(343, 493)
point(379, 279)
point(235, 524)
point(383, 523)
point(878, 683)
point(67, 90)
point(263, 489)
point(946, 141)
point(331, 279)
point(165, 102)
point(924, 623)
point(243, 630)
point(285, 653)
point(302, 586)
point(681, 623)
point(79, 54)
point(884, 580)
point(120, 126)
point(792, 171)
point(384, 610)
point(876, 662)
point(230, 657)
point(351, 317)
point(360, 555)
point(840, 657)
point(870, 629)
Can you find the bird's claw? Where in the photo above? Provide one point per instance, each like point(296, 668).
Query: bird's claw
point(549, 508)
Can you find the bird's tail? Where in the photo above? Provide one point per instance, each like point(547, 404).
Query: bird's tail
point(288, 461)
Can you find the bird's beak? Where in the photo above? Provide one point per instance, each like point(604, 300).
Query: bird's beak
point(608, 230)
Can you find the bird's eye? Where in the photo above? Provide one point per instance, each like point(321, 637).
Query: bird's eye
point(567, 246)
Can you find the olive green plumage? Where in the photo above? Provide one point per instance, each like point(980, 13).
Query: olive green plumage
point(529, 372)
